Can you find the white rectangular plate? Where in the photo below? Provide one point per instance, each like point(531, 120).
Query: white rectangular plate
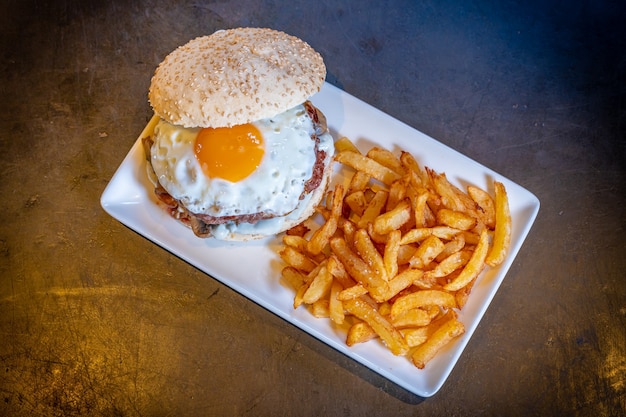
point(129, 198)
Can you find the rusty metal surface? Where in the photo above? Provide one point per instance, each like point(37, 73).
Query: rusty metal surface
point(97, 320)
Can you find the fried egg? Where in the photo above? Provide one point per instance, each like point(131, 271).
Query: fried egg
point(256, 167)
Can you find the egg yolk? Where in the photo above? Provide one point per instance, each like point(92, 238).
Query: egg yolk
point(230, 153)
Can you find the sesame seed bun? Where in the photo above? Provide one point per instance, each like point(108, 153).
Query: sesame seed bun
point(235, 76)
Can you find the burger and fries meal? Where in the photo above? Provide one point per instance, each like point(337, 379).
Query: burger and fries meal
point(240, 153)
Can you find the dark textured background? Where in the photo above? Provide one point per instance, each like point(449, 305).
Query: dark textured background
point(96, 320)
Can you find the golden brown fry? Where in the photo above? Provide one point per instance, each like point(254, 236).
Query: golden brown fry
point(394, 219)
point(449, 265)
point(415, 336)
point(422, 298)
point(297, 259)
point(322, 235)
point(389, 334)
point(448, 331)
point(397, 193)
point(298, 230)
point(462, 295)
point(297, 242)
point(411, 165)
point(367, 165)
point(359, 269)
point(456, 244)
point(343, 144)
point(335, 306)
point(387, 159)
point(319, 309)
point(402, 281)
point(426, 252)
point(405, 253)
point(456, 219)
point(390, 255)
point(502, 234)
point(319, 287)
point(337, 270)
point(368, 252)
point(420, 209)
point(415, 317)
point(357, 202)
point(487, 211)
point(294, 277)
point(352, 292)
point(419, 234)
point(360, 332)
point(473, 267)
point(373, 209)
point(298, 299)
point(358, 182)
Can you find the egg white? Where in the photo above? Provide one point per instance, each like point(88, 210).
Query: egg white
point(274, 187)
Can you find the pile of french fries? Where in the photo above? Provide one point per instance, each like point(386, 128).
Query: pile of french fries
point(398, 252)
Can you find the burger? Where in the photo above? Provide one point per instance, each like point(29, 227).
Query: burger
point(239, 152)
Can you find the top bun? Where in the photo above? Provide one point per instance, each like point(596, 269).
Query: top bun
point(235, 76)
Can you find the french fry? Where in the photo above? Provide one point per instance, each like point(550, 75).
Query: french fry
point(357, 202)
point(338, 272)
point(360, 332)
point(423, 298)
point(359, 269)
point(420, 208)
point(393, 219)
point(390, 255)
point(487, 211)
point(402, 281)
point(502, 234)
point(335, 306)
point(456, 219)
point(415, 336)
point(387, 159)
point(415, 317)
point(456, 244)
point(298, 230)
point(367, 165)
point(352, 292)
point(319, 309)
point(298, 299)
point(397, 193)
point(319, 287)
point(405, 253)
point(426, 252)
point(297, 259)
point(449, 265)
point(294, 277)
point(373, 209)
point(358, 182)
point(322, 235)
point(419, 234)
point(410, 164)
point(297, 242)
point(473, 267)
point(448, 331)
point(389, 334)
point(344, 144)
point(365, 247)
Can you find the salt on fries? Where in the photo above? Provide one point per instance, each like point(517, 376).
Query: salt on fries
point(398, 252)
